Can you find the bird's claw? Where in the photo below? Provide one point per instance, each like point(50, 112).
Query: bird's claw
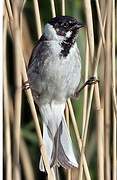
point(92, 80)
point(26, 85)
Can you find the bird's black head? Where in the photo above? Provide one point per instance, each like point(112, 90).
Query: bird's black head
point(63, 29)
point(65, 25)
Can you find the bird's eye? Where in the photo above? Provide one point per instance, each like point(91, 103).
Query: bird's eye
point(66, 24)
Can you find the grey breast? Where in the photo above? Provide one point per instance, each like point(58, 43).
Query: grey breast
point(52, 76)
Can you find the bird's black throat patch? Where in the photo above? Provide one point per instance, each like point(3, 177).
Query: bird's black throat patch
point(67, 44)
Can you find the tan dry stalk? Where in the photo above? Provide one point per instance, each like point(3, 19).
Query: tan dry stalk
point(69, 175)
point(89, 20)
point(100, 22)
point(97, 96)
point(100, 45)
point(27, 45)
point(67, 120)
point(8, 155)
point(98, 101)
point(9, 11)
point(85, 131)
point(67, 114)
point(63, 7)
point(18, 95)
point(37, 17)
point(100, 144)
point(86, 88)
point(86, 170)
point(107, 88)
point(114, 102)
point(114, 162)
point(26, 161)
point(102, 6)
point(53, 8)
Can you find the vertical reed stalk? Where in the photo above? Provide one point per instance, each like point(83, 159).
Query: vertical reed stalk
point(107, 82)
point(63, 7)
point(89, 20)
point(86, 170)
point(69, 177)
point(114, 158)
point(37, 17)
point(53, 8)
point(18, 95)
point(86, 88)
point(100, 144)
point(8, 162)
point(100, 21)
point(97, 96)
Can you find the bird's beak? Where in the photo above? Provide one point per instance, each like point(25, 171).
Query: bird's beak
point(77, 26)
point(80, 25)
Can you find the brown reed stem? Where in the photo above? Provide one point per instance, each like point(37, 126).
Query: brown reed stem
point(97, 96)
point(87, 174)
point(107, 88)
point(37, 17)
point(89, 20)
point(86, 88)
point(67, 120)
point(8, 155)
point(18, 95)
point(9, 11)
point(63, 7)
point(100, 144)
point(100, 22)
point(114, 160)
point(53, 8)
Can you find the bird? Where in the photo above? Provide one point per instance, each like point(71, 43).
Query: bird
point(54, 74)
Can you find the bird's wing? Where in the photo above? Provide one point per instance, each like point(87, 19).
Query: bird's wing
point(38, 50)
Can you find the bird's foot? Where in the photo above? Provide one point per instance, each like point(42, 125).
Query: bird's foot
point(90, 81)
point(26, 85)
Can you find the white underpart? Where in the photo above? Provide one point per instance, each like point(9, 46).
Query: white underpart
point(68, 34)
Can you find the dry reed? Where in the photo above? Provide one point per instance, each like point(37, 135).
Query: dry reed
point(8, 155)
point(114, 161)
point(107, 89)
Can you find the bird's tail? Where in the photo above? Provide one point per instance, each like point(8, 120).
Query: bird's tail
point(56, 138)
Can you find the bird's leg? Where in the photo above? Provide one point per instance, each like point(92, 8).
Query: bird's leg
point(26, 85)
point(90, 81)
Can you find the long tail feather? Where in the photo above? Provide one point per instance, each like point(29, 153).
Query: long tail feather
point(57, 138)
